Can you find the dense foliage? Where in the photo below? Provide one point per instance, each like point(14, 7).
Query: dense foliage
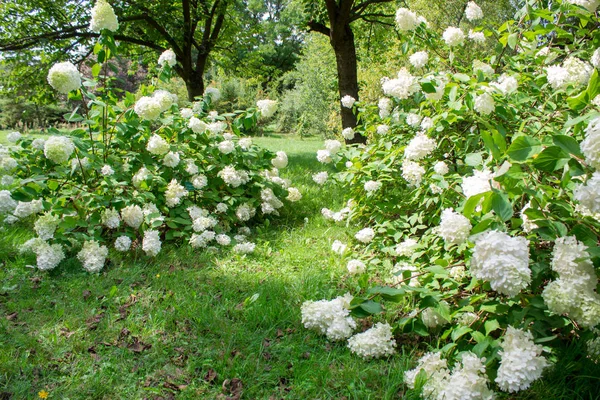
point(477, 194)
point(139, 171)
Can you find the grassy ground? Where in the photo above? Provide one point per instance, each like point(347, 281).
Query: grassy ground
point(194, 326)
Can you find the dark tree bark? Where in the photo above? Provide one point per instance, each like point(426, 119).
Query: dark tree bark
point(341, 13)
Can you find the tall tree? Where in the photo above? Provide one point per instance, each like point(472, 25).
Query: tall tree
point(192, 28)
point(334, 19)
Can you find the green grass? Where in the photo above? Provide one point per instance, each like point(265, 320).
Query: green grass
point(187, 324)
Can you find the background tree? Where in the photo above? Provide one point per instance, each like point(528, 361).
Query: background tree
point(334, 18)
point(50, 28)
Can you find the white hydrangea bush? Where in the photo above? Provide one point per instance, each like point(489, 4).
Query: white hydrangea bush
point(143, 172)
point(483, 191)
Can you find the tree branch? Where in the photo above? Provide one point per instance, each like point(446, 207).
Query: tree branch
point(314, 26)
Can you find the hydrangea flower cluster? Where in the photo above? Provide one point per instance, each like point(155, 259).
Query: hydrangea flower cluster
point(267, 107)
point(103, 17)
point(521, 361)
point(454, 228)
point(330, 318)
point(574, 292)
point(373, 343)
point(503, 261)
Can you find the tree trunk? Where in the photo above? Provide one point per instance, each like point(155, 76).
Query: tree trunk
point(342, 41)
point(195, 85)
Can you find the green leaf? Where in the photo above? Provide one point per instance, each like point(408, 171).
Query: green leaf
point(491, 325)
point(501, 205)
point(460, 331)
point(512, 40)
point(568, 144)
point(427, 87)
point(388, 293)
point(551, 159)
point(523, 147)
point(366, 309)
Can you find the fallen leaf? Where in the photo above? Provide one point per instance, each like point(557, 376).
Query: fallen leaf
point(210, 376)
point(92, 322)
point(86, 294)
point(137, 347)
point(12, 317)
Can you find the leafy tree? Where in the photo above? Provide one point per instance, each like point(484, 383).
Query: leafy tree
point(50, 28)
point(334, 19)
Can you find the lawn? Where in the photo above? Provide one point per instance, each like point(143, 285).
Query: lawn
point(191, 325)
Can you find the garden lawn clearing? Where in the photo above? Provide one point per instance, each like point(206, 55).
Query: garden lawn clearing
point(193, 325)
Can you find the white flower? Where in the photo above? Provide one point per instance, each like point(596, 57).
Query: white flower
point(46, 225)
point(7, 180)
point(356, 267)
point(244, 248)
point(338, 247)
point(164, 99)
point(64, 77)
point(13, 137)
point(482, 67)
point(280, 161)
point(477, 37)
point(413, 120)
point(466, 318)
point(573, 293)
point(333, 146)
point(373, 343)
point(579, 71)
point(244, 212)
point(406, 20)
point(589, 5)
point(588, 193)
point(365, 235)
point(596, 101)
point(58, 149)
point(133, 216)
point(432, 319)
point(293, 195)
point(226, 146)
point(199, 181)
point(107, 170)
point(47, 256)
point(521, 361)
point(103, 17)
point(267, 107)
point(110, 218)
point(426, 123)
point(320, 178)
point(402, 87)
point(140, 177)
point(196, 125)
point(440, 168)
point(478, 183)
point(385, 107)
point(245, 143)
point(590, 146)
point(454, 228)
point(38, 144)
point(329, 317)
point(221, 208)
point(216, 127)
point(233, 177)
point(503, 261)
point(557, 76)
point(324, 156)
point(25, 209)
point(473, 12)
point(157, 145)
point(419, 147)
point(171, 159)
point(270, 202)
point(223, 240)
point(123, 243)
point(383, 129)
point(419, 59)
point(151, 243)
point(453, 36)
point(203, 223)
point(595, 60)
point(372, 186)
point(412, 172)
point(92, 256)
point(169, 58)
point(431, 363)
point(148, 108)
point(348, 133)
point(406, 248)
point(506, 84)
point(214, 94)
point(186, 113)
point(174, 193)
point(484, 104)
point(348, 101)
